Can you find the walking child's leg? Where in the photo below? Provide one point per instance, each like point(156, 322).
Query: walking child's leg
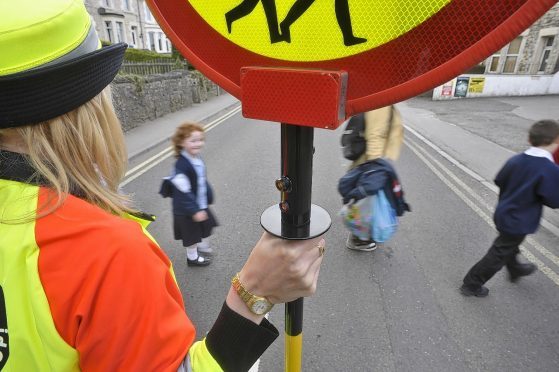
point(204, 246)
point(503, 250)
point(518, 269)
point(193, 258)
point(192, 252)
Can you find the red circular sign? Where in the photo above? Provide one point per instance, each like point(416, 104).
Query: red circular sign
point(454, 37)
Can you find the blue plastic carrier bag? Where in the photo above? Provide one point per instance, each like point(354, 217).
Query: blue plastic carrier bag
point(357, 217)
point(384, 222)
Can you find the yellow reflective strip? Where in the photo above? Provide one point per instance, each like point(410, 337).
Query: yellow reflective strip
point(293, 352)
point(53, 29)
point(200, 358)
point(316, 34)
point(34, 342)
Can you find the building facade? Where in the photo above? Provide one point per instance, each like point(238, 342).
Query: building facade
point(534, 52)
point(128, 21)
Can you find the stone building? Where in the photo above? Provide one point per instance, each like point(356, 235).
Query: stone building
point(128, 21)
point(534, 52)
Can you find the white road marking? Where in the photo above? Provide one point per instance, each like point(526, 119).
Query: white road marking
point(156, 159)
point(419, 152)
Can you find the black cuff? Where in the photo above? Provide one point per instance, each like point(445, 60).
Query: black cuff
point(236, 343)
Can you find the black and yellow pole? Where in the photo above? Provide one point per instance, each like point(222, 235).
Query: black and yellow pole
point(295, 218)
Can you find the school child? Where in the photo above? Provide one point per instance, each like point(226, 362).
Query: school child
point(384, 135)
point(527, 182)
point(193, 220)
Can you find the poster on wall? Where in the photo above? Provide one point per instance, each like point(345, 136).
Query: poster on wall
point(476, 85)
point(446, 90)
point(461, 86)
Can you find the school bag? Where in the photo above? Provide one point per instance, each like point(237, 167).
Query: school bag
point(353, 137)
point(166, 188)
point(373, 200)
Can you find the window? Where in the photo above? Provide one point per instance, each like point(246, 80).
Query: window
point(120, 32)
point(494, 66)
point(547, 44)
point(151, 40)
point(149, 16)
point(109, 31)
point(134, 35)
point(512, 55)
point(160, 42)
point(126, 5)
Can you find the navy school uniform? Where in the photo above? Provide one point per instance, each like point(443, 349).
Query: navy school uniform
point(192, 193)
point(527, 182)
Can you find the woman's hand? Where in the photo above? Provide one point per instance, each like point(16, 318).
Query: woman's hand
point(283, 270)
point(200, 216)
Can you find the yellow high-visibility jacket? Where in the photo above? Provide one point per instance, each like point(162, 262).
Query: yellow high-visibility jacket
point(81, 289)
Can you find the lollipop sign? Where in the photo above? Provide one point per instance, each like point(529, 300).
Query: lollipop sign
point(391, 50)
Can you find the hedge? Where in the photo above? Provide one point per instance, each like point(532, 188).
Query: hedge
point(141, 55)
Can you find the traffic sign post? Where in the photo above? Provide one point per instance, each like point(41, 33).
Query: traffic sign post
point(310, 64)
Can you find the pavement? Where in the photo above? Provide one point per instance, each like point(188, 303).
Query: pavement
point(480, 134)
point(155, 132)
point(434, 119)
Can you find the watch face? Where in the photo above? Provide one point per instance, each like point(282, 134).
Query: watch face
point(260, 307)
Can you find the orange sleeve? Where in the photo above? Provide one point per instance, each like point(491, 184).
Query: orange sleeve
point(110, 291)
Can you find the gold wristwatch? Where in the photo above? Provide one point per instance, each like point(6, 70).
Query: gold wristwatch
point(256, 304)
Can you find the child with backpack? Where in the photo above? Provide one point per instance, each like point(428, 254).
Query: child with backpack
point(527, 182)
point(373, 135)
point(193, 220)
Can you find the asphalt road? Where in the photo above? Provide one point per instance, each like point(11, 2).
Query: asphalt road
point(398, 308)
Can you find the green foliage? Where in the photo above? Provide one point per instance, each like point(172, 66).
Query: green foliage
point(176, 54)
point(138, 81)
point(142, 55)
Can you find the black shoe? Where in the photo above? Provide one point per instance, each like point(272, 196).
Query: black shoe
point(200, 261)
point(521, 270)
point(467, 291)
point(357, 244)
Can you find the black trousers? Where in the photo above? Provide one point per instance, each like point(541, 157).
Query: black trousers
point(503, 252)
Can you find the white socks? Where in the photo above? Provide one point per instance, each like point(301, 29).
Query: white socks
point(192, 252)
point(203, 247)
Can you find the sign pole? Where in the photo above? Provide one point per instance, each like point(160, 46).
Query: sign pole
point(296, 169)
point(295, 218)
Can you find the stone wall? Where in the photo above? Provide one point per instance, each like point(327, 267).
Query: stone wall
point(141, 98)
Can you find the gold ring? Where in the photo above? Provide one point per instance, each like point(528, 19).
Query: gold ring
point(321, 249)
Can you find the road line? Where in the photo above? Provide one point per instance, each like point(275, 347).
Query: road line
point(529, 256)
point(489, 184)
point(545, 252)
point(148, 164)
point(139, 166)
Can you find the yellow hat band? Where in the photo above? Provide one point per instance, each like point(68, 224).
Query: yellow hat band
point(45, 31)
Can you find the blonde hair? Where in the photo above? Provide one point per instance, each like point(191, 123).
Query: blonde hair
point(182, 132)
point(81, 152)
